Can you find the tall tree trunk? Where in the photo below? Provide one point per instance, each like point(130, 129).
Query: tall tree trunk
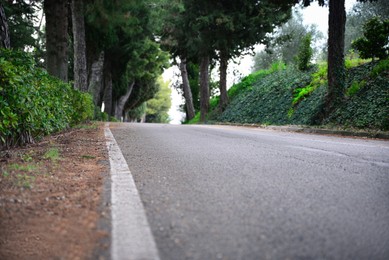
point(80, 70)
point(187, 91)
point(96, 79)
point(126, 116)
point(56, 13)
point(204, 88)
point(122, 101)
point(223, 80)
point(336, 69)
point(4, 32)
point(107, 86)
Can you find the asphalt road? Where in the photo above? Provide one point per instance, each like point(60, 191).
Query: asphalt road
point(216, 192)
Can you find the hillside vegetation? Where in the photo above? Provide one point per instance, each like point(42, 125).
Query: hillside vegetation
point(285, 95)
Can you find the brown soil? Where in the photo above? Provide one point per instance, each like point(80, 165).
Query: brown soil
point(51, 197)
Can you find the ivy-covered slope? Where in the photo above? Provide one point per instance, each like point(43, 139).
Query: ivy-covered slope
point(290, 96)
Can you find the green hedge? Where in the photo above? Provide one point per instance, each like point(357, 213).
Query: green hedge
point(34, 104)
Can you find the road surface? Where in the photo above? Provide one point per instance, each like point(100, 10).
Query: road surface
point(217, 192)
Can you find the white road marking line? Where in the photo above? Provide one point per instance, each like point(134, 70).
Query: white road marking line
point(131, 234)
point(265, 132)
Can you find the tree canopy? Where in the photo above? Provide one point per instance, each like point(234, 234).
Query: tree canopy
point(284, 43)
point(158, 107)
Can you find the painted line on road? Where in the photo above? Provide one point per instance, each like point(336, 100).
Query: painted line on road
point(131, 233)
point(265, 132)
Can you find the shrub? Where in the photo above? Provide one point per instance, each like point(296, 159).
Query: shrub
point(32, 103)
point(375, 40)
point(83, 108)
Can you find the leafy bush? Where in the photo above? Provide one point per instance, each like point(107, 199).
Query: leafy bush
point(83, 108)
point(375, 40)
point(32, 103)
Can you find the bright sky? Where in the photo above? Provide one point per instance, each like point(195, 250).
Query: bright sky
point(313, 14)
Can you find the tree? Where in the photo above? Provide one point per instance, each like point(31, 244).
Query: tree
point(190, 111)
point(80, 69)
point(4, 34)
point(359, 15)
point(336, 69)
point(173, 34)
point(204, 87)
point(264, 59)
point(239, 25)
point(284, 43)
point(225, 29)
point(375, 40)
point(132, 58)
point(57, 37)
point(21, 16)
point(305, 53)
point(158, 107)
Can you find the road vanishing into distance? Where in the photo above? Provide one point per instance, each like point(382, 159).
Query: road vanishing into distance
point(218, 192)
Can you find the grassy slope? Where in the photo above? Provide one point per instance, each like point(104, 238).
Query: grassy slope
point(269, 97)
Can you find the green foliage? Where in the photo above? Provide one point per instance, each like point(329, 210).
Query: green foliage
point(246, 85)
point(32, 103)
point(355, 87)
point(125, 31)
point(286, 41)
point(21, 16)
point(158, 107)
point(305, 53)
point(269, 100)
point(354, 62)
point(380, 67)
point(137, 113)
point(52, 154)
point(83, 108)
point(292, 96)
point(24, 180)
point(360, 13)
point(368, 107)
point(375, 40)
point(319, 78)
point(194, 120)
point(22, 175)
point(193, 75)
point(248, 81)
point(21, 167)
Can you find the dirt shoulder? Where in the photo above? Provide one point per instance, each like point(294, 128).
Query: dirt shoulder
point(52, 197)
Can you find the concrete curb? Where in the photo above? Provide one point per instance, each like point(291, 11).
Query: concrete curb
point(313, 130)
point(131, 233)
